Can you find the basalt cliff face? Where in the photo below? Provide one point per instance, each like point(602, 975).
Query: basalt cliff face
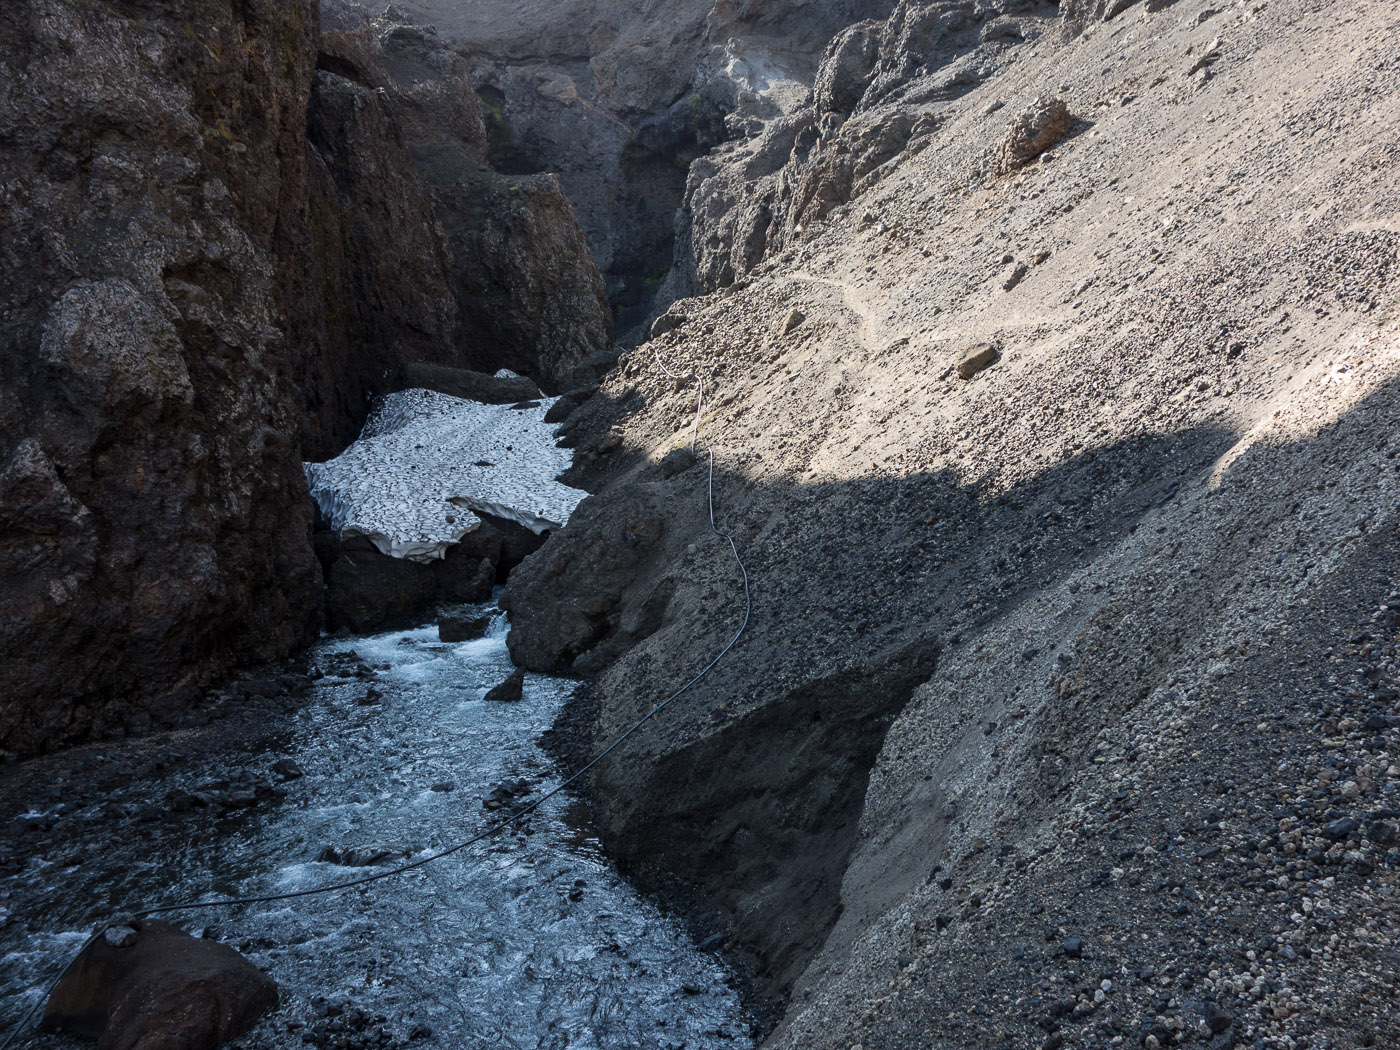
point(154, 525)
point(222, 234)
point(620, 98)
point(1049, 362)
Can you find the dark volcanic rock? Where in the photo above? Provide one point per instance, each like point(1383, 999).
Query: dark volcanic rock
point(271, 223)
point(510, 690)
point(846, 68)
point(462, 625)
point(443, 261)
point(150, 986)
point(548, 636)
point(369, 591)
point(153, 523)
point(360, 856)
point(516, 542)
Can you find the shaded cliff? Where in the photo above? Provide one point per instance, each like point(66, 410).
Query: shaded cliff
point(223, 234)
point(620, 98)
point(417, 250)
point(155, 524)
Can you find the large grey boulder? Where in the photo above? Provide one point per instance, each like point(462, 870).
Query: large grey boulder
point(151, 986)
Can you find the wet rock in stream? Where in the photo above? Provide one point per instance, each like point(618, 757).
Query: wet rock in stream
point(510, 690)
point(149, 985)
point(361, 856)
point(461, 625)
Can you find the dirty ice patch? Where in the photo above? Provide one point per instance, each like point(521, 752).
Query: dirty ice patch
point(424, 462)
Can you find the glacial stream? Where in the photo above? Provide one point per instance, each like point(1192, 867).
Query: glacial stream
point(528, 939)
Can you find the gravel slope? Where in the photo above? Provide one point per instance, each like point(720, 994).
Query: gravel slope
point(1138, 532)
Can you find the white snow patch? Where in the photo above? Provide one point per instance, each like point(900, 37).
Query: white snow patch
point(424, 461)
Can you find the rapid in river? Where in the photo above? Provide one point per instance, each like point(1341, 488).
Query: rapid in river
point(528, 939)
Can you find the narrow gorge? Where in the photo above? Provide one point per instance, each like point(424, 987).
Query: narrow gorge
point(1039, 359)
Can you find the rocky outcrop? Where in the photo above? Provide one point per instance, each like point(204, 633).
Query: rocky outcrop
point(420, 252)
point(882, 89)
point(1041, 125)
point(372, 285)
point(153, 521)
point(530, 297)
point(598, 92)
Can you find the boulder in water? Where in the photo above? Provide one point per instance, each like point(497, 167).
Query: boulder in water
point(151, 986)
point(462, 625)
point(360, 856)
point(509, 690)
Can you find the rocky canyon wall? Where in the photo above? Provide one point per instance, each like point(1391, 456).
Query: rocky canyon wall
point(154, 521)
point(620, 98)
point(224, 232)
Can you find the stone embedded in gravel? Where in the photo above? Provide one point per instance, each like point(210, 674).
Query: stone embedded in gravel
point(1073, 947)
point(791, 321)
point(287, 769)
point(1013, 276)
point(159, 989)
point(974, 359)
point(1216, 1017)
point(510, 690)
point(1044, 123)
point(667, 322)
point(1381, 833)
point(1340, 829)
point(677, 461)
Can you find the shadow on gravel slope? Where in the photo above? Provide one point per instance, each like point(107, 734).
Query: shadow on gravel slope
point(745, 798)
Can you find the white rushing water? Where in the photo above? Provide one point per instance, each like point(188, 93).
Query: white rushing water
point(527, 940)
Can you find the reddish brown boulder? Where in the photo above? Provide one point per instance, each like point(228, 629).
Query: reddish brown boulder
point(160, 990)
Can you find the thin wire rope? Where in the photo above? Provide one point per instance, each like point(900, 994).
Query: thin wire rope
point(507, 821)
point(695, 433)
